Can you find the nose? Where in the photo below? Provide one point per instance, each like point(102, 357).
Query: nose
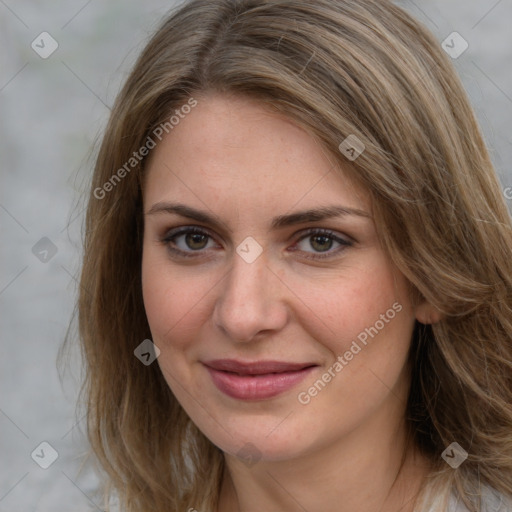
point(251, 300)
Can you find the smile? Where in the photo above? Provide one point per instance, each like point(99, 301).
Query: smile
point(257, 380)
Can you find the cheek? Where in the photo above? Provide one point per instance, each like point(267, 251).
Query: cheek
point(174, 307)
point(175, 300)
point(366, 318)
point(358, 302)
point(372, 320)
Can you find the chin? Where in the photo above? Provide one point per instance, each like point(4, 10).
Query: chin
point(265, 439)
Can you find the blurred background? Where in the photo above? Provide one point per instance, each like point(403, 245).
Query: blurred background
point(61, 66)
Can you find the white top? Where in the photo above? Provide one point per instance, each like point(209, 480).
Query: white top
point(492, 501)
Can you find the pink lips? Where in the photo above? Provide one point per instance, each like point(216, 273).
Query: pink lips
point(257, 380)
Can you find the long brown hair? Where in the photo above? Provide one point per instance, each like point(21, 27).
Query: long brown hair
point(338, 68)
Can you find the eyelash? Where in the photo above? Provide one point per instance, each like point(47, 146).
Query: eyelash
point(174, 234)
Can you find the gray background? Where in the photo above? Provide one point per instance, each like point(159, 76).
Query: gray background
point(52, 110)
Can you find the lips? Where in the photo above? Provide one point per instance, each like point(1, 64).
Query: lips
point(256, 380)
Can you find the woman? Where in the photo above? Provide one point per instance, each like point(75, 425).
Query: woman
point(297, 281)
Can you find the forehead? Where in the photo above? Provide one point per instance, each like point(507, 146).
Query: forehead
point(236, 150)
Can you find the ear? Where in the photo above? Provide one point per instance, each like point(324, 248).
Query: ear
point(427, 314)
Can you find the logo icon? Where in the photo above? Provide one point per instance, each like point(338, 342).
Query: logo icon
point(146, 352)
point(352, 147)
point(249, 454)
point(44, 45)
point(454, 455)
point(44, 250)
point(249, 249)
point(455, 45)
point(44, 455)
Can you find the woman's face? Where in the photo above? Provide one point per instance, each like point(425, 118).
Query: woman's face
point(281, 332)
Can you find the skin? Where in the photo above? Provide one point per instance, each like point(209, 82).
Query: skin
point(238, 161)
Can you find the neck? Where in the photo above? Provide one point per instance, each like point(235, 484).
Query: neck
point(363, 472)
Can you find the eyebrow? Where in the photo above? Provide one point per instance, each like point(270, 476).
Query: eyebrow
point(279, 222)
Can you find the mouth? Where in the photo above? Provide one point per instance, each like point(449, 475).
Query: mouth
point(258, 380)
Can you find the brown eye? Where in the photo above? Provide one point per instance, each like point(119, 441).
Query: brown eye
point(187, 241)
point(196, 241)
point(322, 241)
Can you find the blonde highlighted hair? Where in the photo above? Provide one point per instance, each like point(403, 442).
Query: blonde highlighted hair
point(337, 68)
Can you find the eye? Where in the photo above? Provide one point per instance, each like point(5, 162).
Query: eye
point(322, 241)
point(187, 241)
point(192, 241)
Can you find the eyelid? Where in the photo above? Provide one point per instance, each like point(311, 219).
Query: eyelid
point(336, 235)
point(344, 240)
point(344, 243)
point(174, 233)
